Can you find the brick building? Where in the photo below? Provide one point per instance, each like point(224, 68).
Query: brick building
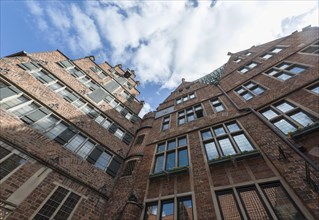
point(239, 143)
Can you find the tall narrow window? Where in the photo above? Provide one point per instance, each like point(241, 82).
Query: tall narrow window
point(165, 124)
point(217, 105)
point(171, 154)
point(9, 162)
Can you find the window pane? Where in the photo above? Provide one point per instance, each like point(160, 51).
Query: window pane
point(55, 86)
point(219, 131)
point(272, 72)
point(233, 127)
point(315, 89)
point(219, 108)
point(159, 164)
point(285, 107)
point(185, 209)
point(258, 90)
point(253, 206)
point(281, 203)
point(182, 141)
point(228, 206)
point(302, 119)
point(190, 117)
point(266, 56)
point(211, 151)
point(269, 114)
point(243, 70)
point(151, 212)
point(79, 103)
point(25, 109)
point(10, 164)
point(103, 161)
point(285, 126)
point(106, 124)
point(284, 76)
point(283, 66)
point(167, 212)
point(226, 146)
point(170, 161)
point(3, 152)
point(182, 158)
point(296, 69)
point(276, 50)
point(75, 142)
point(252, 65)
point(45, 123)
point(119, 133)
point(54, 132)
point(206, 135)
point(171, 145)
point(14, 102)
point(247, 96)
point(67, 206)
point(181, 121)
point(99, 119)
point(86, 149)
point(243, 143)
point(161, 148)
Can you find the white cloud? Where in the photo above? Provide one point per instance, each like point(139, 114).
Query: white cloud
point(146, 108)
point(164, 41)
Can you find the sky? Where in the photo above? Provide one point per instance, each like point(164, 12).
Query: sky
point(162, 41)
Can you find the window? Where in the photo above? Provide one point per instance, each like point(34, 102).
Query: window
point(287, 117)
point(98, 71)
point(248, 67)
point(139, 139)
point(217, 105)
point(225, 139)
point(312, 49)
point(314, 88)
point(248, 53)
point(190, 114)
point(171, 154)
point(286, 70)
point(185, 98)
point(183, 207)
point(256, 202)
point(59, 206)
point(271, 53)
point(237, 60)
point(249, 90)
point(165, 124)
point(129, 168)
point(9, 162)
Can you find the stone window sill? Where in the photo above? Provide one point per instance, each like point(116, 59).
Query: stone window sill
point(237, 157)
point(169, 172)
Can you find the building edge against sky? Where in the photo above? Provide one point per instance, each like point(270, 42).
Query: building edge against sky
point(240, 143)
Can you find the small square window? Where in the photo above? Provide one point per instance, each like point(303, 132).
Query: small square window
point(206, 135)
point(243, 70)
point(285, 107)
point(219, 131)
point(266, 56)
point(283, 66)
point(252, 65)
point(247, 96)
point(296, 69)
point(276, 50)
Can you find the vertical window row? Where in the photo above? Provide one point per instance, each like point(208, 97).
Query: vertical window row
point(43, 120)
point(165, 124)
point(182, 208)
point(217, 105)
point(249, 90)
point(286, 70)
point(224, 140)
point(185, 98)
point(190, 114)
point(171, 154)
point(9, 161)
point(257, 202)
point(79, 103)
point(287, 117)
point(59, 206)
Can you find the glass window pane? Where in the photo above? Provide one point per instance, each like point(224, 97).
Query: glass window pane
point(181, 121)
point(283, 66)
point(75, 142)
point(106, 124)
point(161, 147)
point(285, 107)
point(14, 102)
point(99, 119)
point(269, 114)
point(296, 69)
point(226, 146)
point(170, 161)
point(284, 76)
point(266, 56)
point(243, 143)
point(206, 135)
point(182, 158)
point(24, 110)
point(55, 86)
point(258, 90)
point(78, 103)
point(272, 72)
point(159, 164)
point(302, 119)
point(54, 132)
point(243, 70)
point(219, 108)
point(315, 89)
point(45, 123)
point(67, 207)
point(119, 133)
point(167, 212)
point(253, 205)
point(86, 149)
point(151, 212)
point(228, 206)
point(252, 65)
point(185, 209)
point(276, 50)
point(247, 96)
point(10, 164)
point(103, 161)
point(190, 117)
point(281, 203)
point(3, 152)
point(182, 141)
point(250, 84)
point(219, 131)
point(171, 145)
point(285, 126)
point(233, 127)
point(211, 151)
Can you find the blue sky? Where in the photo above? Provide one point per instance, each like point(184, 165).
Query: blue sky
point(163, 41)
